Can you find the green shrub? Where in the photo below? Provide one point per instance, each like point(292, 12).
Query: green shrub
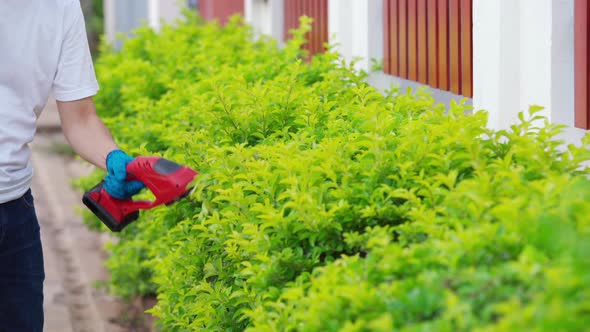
point(326, 205)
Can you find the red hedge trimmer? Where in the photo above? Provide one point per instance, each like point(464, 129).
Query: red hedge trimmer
point(167, 180)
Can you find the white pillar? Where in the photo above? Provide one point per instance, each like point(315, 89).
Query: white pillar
point(164, 11)
point(522, 56)
point(109, 21)
point(562, 62)
point(562, 70)
point(535, 54)
point(265, 17)
point(356, 28)
point(154, 14)
point(496, 58)
point(171, 10)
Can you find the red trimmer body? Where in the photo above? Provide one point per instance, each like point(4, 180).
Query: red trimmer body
point(167, 180)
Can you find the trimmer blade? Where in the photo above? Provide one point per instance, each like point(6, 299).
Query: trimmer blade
point(186, 194)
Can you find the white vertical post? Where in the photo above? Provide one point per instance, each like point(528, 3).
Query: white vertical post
point(562, 70)
point(249, 12)
point(170, 10)
point(375, 32)
point(535, 54)
point(523, 55)
point(277, 17)
point(164, 11)
point(496, 60)
point(154, 14)
point(339, 27)
point(562, 62)
point(109, 21)
point(266, 17)
point(356, 30)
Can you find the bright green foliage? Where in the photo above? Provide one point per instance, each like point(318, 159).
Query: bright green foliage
point(324, 205)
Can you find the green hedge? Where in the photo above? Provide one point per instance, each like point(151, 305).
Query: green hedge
point(326, 205)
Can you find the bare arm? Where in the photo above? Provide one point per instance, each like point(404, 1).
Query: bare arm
point(85, 131)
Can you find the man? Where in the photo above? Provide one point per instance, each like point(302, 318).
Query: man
point(43, 50)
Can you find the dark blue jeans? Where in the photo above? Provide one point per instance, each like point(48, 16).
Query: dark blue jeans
point(21, 267)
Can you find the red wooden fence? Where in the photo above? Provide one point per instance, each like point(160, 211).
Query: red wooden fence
point(430, 41)
point(220, 9)
point(582, 64)
point(316, 9)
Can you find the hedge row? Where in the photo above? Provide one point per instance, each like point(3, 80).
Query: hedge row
point(326, 205)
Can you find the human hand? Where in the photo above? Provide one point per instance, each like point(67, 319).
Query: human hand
point(116, 183)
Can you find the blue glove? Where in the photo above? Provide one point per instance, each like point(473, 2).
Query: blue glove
point(115, 182)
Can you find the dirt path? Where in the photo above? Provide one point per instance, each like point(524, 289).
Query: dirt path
point(73, 255)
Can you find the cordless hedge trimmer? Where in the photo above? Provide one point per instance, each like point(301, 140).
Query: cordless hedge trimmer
point(167, 180)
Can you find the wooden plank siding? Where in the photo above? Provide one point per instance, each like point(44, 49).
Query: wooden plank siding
point(432, 47)
point(455, 47)
point(465, 39)
point(388, 56)
point(316, 9)
point(442, 7)
point(394, 40)
point(220, 10)
point(412, 40)
point(422, 42)
point(430, 41)
point(402, 24)
point(582, 64)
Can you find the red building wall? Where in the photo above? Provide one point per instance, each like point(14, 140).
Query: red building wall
point(316, 9)
point(220, 9)
point(430, 41)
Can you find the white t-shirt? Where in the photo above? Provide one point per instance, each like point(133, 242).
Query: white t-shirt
point(43, 49)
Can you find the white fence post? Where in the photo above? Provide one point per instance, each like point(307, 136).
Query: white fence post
point(266, 17)
point(535, 54)
point(109, 21)
point(164, 11)
point(154, 14)
point(496, 57)
point(562, 62)
point(356, 30)
point(523, 55)
point(123, 17)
